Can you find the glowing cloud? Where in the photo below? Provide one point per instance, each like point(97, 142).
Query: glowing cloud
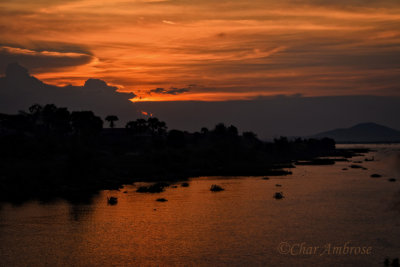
point(234, 49)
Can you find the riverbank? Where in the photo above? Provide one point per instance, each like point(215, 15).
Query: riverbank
point(51, 153)
point(78, 172)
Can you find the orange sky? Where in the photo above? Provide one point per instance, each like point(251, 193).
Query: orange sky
point(208, 50)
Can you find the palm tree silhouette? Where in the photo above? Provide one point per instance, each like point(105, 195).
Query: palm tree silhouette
point(111, 119)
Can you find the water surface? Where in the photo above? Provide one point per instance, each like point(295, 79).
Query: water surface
point(243, 225)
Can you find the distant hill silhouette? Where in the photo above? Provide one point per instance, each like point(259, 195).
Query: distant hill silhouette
point(363, 132)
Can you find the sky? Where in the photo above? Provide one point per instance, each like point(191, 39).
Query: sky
point(175, 50)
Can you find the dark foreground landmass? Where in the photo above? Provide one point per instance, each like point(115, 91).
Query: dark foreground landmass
point(50, 152)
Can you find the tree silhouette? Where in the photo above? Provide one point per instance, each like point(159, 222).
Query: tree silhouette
point(220, 129)
point(156, 127)
point(61, 121)
point(35, 109)
point(111, 119)
point(138, 126)
point(86, 123)
point(36, 113)
point(250, 136)
point(48, 115)
point(204, 130)
point(152, 126)
point(49, 118)
point(232, 130)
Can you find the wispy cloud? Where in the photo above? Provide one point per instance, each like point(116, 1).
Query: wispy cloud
point(42, 60)
point(168, 22)
point(170, 91)
point(260, 48)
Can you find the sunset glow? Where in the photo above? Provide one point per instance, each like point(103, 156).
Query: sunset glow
point(227, 50)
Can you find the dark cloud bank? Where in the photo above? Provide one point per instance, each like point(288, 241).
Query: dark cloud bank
point(268, 117)
point(19, 90)
point(43, 58)
point(170, 91)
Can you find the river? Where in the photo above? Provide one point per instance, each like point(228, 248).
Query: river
point(328, 217)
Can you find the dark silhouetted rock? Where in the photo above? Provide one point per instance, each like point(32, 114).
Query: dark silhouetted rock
point(316, 162)
point(354, 166)
point(112, 200)
point(155, 188)
point(216, 188)
point(278, 195)
point(386, 262)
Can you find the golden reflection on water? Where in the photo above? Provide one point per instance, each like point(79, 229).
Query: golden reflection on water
point(242, 225)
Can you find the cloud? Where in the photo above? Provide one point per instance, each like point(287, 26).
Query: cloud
point(171, 90)
point(221, 35)
point(42, 60)
point(168, 22)
point(284, 114)
point(19, 90)
point(316, 47)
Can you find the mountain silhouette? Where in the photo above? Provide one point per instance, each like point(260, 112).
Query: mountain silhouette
point(364, 132)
